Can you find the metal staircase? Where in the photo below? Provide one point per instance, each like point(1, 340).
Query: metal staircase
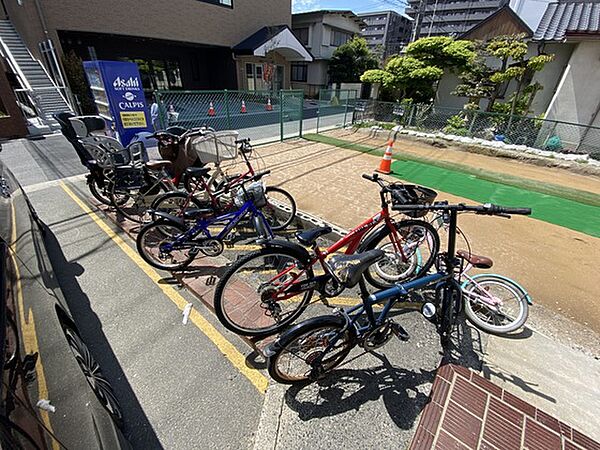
point(36, 84)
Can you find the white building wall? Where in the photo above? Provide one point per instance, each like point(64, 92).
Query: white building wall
point(578, 97)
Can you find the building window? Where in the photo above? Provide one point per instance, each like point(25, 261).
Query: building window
point(228, 3)
point(300, 72)
point(302, 34)
point(158, 74)
point(339, 38)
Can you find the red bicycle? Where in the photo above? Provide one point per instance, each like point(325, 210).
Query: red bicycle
point(265, 290)
point(212, 189)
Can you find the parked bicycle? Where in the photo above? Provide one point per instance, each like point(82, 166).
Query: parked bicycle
point(494, 303)
point(214, 190)
point(264, 291)
point(312, 348)
point(168, 243)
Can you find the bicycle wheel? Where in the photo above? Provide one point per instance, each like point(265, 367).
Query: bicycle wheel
point(176, 203)
point(150, 245)
point(244, 296)
point(297, 351)
point(420, 246)
point(280, 209)
point(495, 304)
point(138, 201)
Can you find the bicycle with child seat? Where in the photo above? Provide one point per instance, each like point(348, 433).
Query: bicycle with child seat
point(312, 348)
point(214, 190)
point(169, 243)
point(264, 291)
point(494, 303)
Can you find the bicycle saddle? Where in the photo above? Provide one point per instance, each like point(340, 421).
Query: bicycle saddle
point(158, 164)
point(349, 268)
point(197, 171)
point(309, 237)
point(481, 262)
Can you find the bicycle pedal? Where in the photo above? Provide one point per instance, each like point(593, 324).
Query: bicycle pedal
point(400, 332)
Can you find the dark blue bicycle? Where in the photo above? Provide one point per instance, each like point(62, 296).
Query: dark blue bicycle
point(167, 243)
point(312, 348)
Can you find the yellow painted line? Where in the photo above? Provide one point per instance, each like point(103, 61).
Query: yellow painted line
point(243, 247)
point(227, 348)
point(30, 340)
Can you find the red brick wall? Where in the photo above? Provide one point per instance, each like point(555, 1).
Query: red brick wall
point(13, 125)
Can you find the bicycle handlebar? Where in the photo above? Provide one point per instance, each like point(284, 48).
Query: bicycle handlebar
point(486, 209)
point(259, 175)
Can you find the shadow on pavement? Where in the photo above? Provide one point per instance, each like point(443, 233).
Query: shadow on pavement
point(138, 429)
point(347, 389)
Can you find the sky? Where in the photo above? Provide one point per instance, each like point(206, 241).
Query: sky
point(357, 6)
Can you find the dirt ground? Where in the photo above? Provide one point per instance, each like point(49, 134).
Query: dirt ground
point(558, 266)
point(452, 154)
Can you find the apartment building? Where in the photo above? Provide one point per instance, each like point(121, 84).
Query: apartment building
point(321, 32)
point(450, 17)
point(179, 44)
point(386, 32)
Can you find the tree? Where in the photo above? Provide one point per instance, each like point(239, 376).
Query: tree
point(351, 60)
point(500, 61)
point(415, 75)
point(77, 80)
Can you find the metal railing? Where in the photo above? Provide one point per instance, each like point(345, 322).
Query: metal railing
point(263, 116)
point(533, 132)
point(335, 108)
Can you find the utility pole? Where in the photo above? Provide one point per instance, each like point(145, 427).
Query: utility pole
point(418, 20)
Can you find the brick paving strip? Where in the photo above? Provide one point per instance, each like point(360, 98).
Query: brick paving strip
point(467, 411)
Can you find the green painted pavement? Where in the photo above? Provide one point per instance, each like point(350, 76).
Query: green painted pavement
point(549, 208)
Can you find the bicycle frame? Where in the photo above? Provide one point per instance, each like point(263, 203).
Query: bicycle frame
point(351, 241)
point(230, 220)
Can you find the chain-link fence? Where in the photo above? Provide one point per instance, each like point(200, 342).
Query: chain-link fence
point(263, 116)
point(335, 108)
point(530, 131)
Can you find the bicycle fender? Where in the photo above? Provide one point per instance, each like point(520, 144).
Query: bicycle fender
point(168, 218)
point(296, 249)
point(293, 331)
point(510, 280)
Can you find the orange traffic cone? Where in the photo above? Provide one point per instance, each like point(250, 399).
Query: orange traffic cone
point(243, 111)
point(211, 109)
point(269, 105)
point(385, 166)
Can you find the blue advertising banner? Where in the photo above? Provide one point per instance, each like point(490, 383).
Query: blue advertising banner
point(119, 96)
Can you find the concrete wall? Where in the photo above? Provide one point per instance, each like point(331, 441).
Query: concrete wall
point(577, 98)
point(176, 20)
point(551, 75)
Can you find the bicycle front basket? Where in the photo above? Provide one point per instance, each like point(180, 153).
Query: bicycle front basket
point(254, 192)
point(410, 194)
point(216, 146)
point(128, 178)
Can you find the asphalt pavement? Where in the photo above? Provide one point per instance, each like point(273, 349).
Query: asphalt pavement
point(176, 387)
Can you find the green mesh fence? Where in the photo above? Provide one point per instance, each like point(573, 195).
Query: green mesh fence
point(335, 108)
point(262, 116)
point(520, 130)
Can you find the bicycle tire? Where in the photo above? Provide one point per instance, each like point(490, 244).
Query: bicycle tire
point(137, 212)
point(421, 268)
point(258, 331)
point(275, 225)
point(160, 203)
point(163, 236)
point(450, 307)
point(102, 197)
point(481, 280)
point(304, 330)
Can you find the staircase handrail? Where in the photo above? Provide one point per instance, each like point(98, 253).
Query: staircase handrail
point(58, 89)
point(14, 66)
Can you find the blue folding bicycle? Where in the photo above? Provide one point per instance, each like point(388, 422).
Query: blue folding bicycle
point(167, 243)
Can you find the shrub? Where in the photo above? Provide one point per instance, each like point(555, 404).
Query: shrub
point(595, 154)
point(456, 125)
